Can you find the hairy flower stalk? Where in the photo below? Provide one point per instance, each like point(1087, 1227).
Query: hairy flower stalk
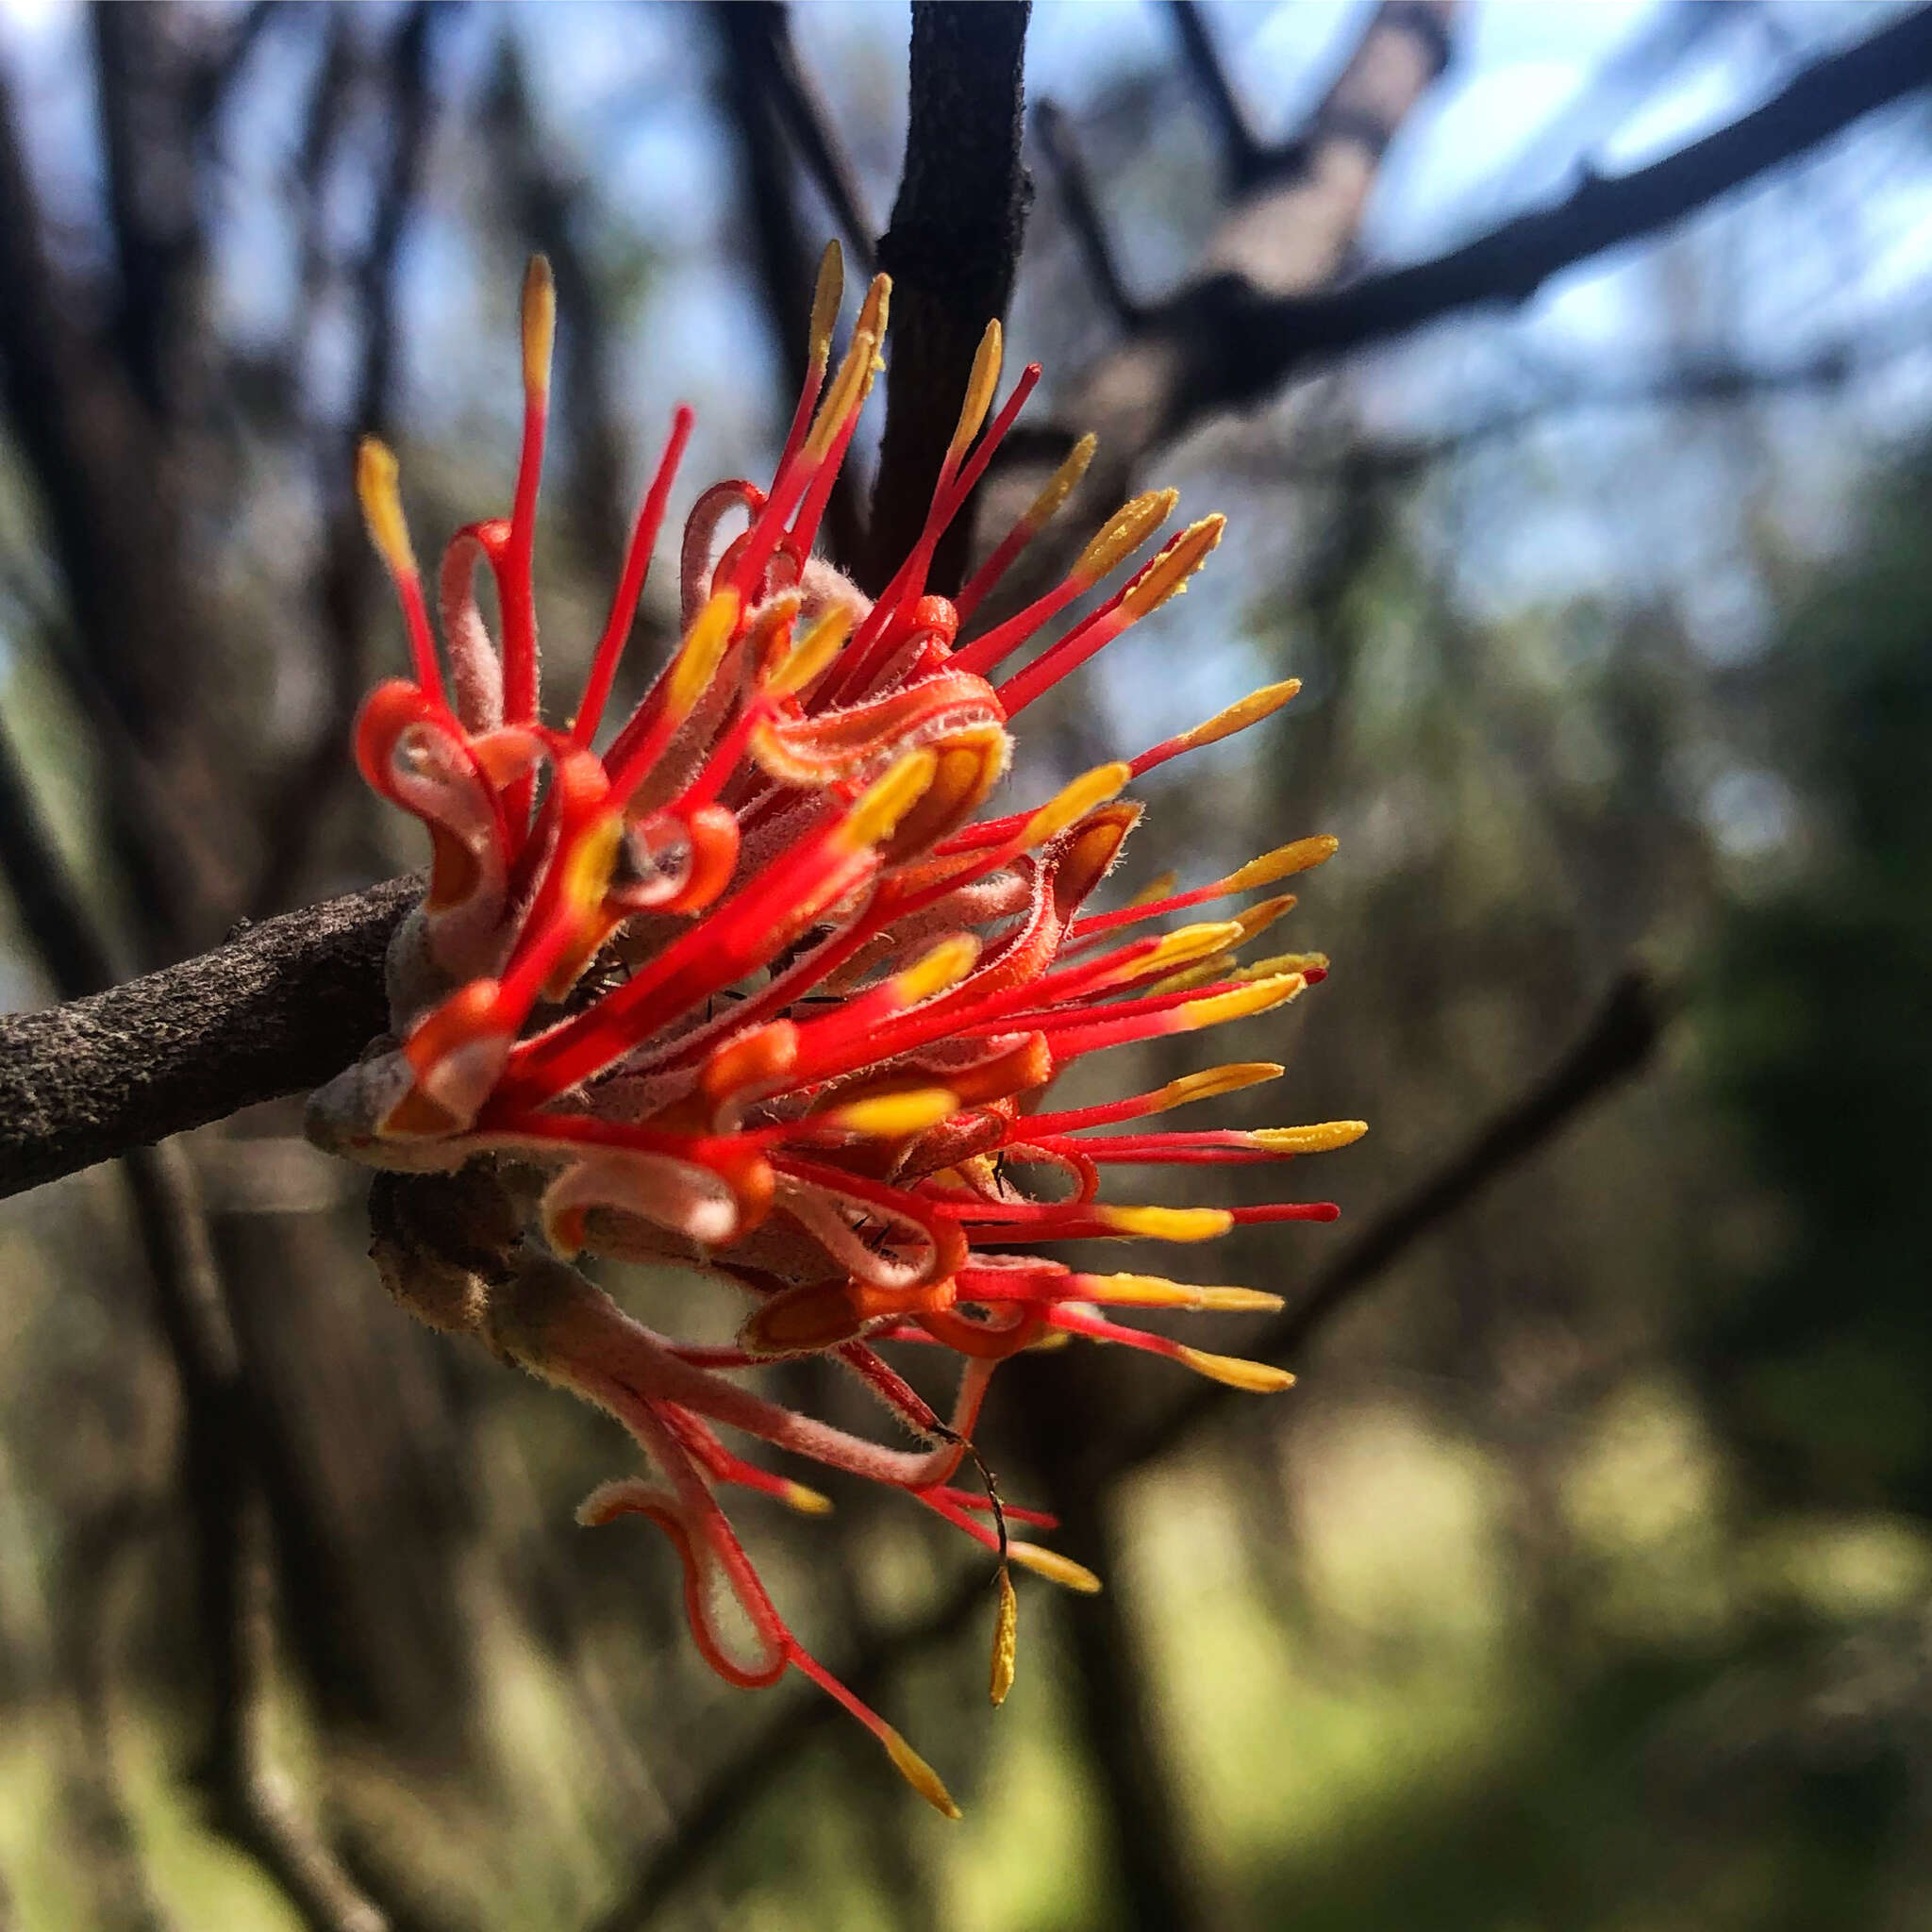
point(756, 990)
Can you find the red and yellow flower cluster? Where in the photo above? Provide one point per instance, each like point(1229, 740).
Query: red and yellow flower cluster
point(753, 989)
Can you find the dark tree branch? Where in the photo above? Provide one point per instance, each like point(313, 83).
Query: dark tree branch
point(1290, 232)
point(1243, 154)
point(1618, 1041)
point(1238, 344)
point(344, 582)
point(276, 1010)
point(803, 110)
point(748, 32)
point(952, 251)
point(1057, 143)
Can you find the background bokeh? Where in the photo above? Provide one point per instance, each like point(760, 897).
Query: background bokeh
point(1585, 1581)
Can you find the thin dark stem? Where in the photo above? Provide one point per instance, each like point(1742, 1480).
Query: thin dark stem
point(952, 251)
point(1242, 152)
point(1620, 1038)
point(1075, 188)
point(347, 577)
point(803, 110)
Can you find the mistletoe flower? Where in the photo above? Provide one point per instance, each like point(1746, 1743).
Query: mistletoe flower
point(759, 989)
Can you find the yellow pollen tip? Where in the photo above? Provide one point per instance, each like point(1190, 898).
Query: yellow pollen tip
point(824, 303)
point(538, 326)
point(1123, 533)
point(1238, 717)
point(897, 1116)
point(1257, 996)
point(1074, 801)
point(1213, 1080)
point(807, 1502)
point(1006, 1639)
point(1060, 485)
point(944, 966)
point(918, 1772)
point(1190, 942)
point(1239, 1301)
point(1283, 963)
point(979, 388)
point(377, 485)
point(1324, 1137)
point(1054, 1567)
point(587, 866)
point(701, 654)
point(1157, 1292)
point(1167, 1223)
point(1208, 973)
point(1166, 576)
point(813, 654)
point(878, 810)
point(1257, 1378)
point(848, 391)
point(873, 310)
point(1263, 914)
point(1283, 861)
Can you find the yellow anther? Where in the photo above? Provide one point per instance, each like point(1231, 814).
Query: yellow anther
point(1257, 1378)
point(848, 391)
point(1054, 1567)
point(807, 1502)
point(1187, 944)
point(897, 1116)
point(1156, 1291)
point(1167, 1223)
point(1239, 1001)
point(701, 653)
point(1060, 485)
point(1207, 973)
point(539, 326)
point(1283, 963)
point(981, 385)
point(1239, 716)
point(878, 810)
point(873, 310)
point(1283, 861)
point(382, 506)
point(1239, 1301)
point(587, 866)
point(1166, 576)
point(1074, 801)
point(1005, 1638)
point(1210, 1081)
point(945, 965)
point(1324, 1137)
point(917, 1773)
point(1123, 533)
point(1262, 914)
point(1160, 887)
point(813, 652)
point(825, 304)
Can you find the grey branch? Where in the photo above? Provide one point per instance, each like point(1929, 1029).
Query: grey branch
point(279, 1009)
